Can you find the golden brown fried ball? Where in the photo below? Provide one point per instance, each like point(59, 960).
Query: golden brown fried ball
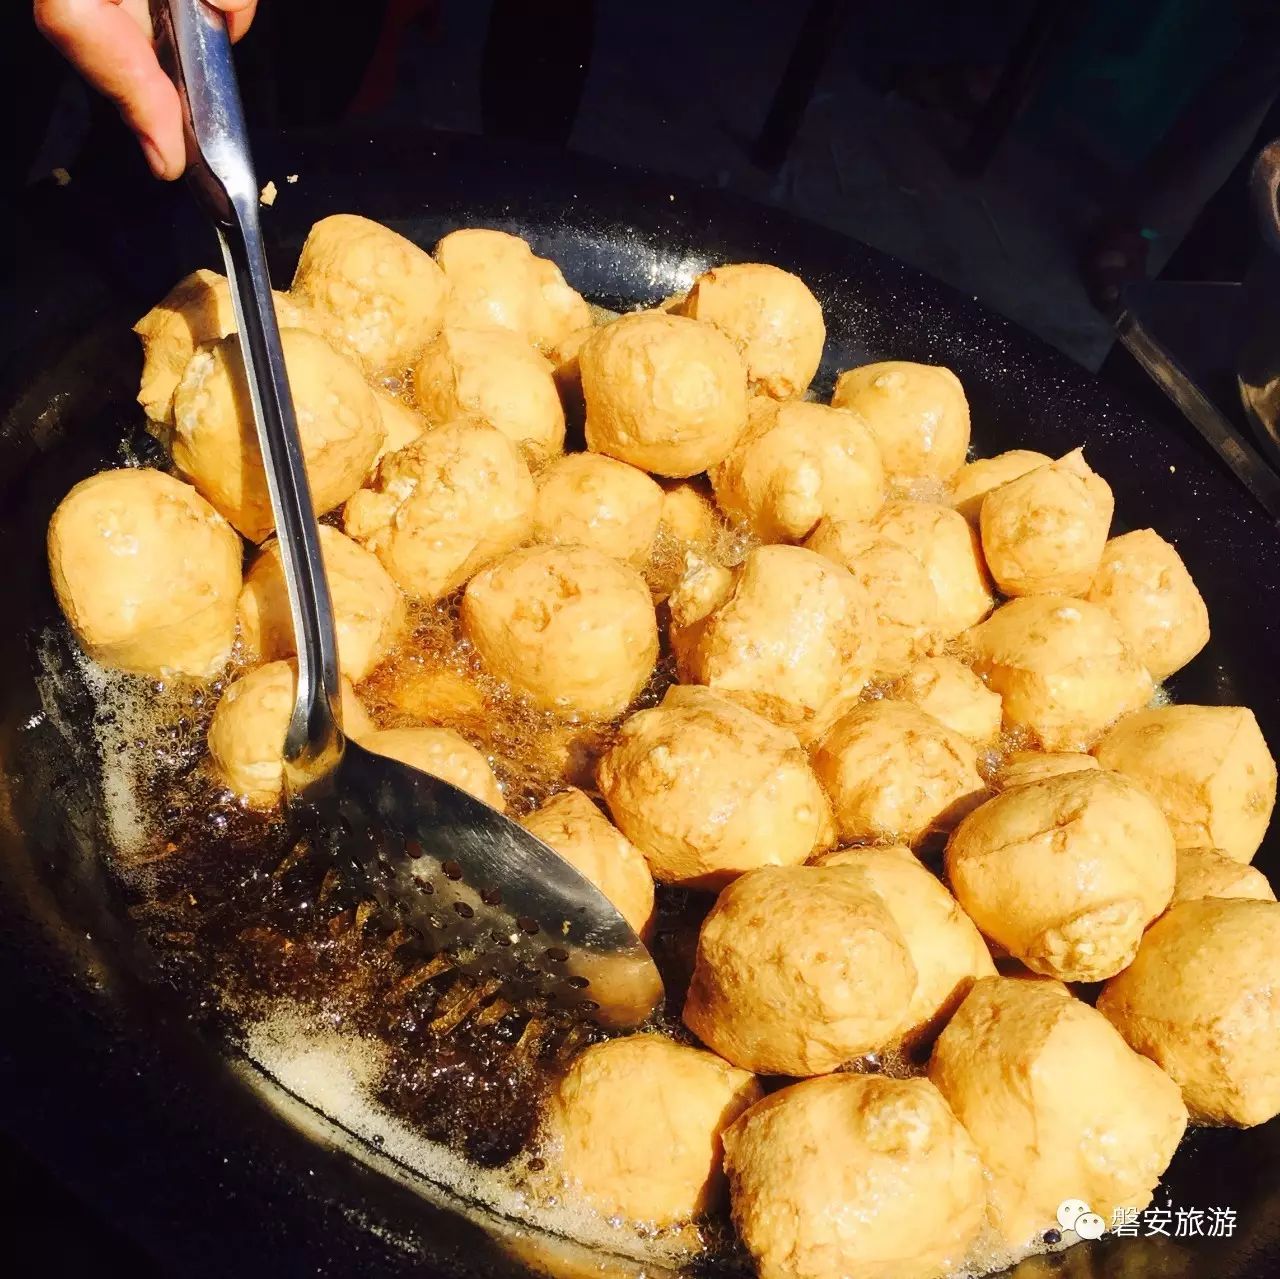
point(1208, 767)
point(770, 316)
point(1202, 999)
point(575, 828)
point(1043, 533)
point(1143, 583)
point(441, 509)
point(1021, 767)
point(1206, 872)
point(917, 414)
point(570, 629)
point(895, 774)
point(707, 789)
point(496, 378)
point(974, 480)
point(382, 297)
point(1062, 667)
point(401, 425)
point(944, 943)
point(1065, 873)
point(855, 1177)
point(634, 1127)
point(792, 639)
point(442, 753)
point(1056, 1103)
point(247, 732)
point(947, 689)
point(796, 464)
point(198, 309)
point(663, 392)
point(688, 514)
point(943, 542)
point(903, 600)
point(799, 969)
point(146, 573)
point(215, 442)
point(496, 282)
point(368, 609)
point(587, 499)
point(430, 694)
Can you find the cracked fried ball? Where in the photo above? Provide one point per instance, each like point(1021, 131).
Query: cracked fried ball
point(1057, 1104)
point(795, 464)
point(917, 414)
point(587, 499)
point(1021, 767)
point(665, 393)
point(1208, 767)
point(947, 689)
point(895, 774)
point(570, 629)
point(1065, 873)
point(215, 441)
point(974, 480)
point(707, 789)
point(1202, 1000)
point(1206, 872)
point(439, 510)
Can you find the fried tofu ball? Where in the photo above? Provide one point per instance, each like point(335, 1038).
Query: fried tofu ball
point(1062, 667)
point(1208, 767)
point(895, 774)
point(854, 1177)
point(570, 629)
point(381, 296)
point(496, 282)
point(770, 316)
point(198, 309)
point(1205, 872)
point(498, 379)
point(368, 609)
point(442, 753)
point(948, 548)
point(401, 425)
point(634, 1127)
point(1143, 583)
point(215, 441)
point(944, 944)
point(1056, 1103)
point(1021, 767)
point(688, 514)
point(707, 789)
point(903, 600)
point(1202, 1000)
point(665, 393)
point(792, 640)
point(1043, 533)
point(917, 414)
point(974, 480)
point(247, 732)
point(575, 828)
point(799, 969)
point(1065, 873)
point(431, 694)
point(146, 573)
point(439, 510)
point(947, 689)
point(587, 499)
point(795, 464)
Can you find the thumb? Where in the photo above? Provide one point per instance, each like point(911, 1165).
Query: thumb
point(239, 14)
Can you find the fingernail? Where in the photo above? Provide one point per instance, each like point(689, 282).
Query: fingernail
point(155, 158)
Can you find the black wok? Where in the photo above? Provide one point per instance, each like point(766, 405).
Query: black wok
point(104, 1074)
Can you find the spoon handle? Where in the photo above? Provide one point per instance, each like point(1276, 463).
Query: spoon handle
point(194, 37)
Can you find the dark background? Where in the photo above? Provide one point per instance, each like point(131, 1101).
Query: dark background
point(984, 148)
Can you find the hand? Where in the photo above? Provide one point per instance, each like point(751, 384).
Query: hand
point(109, 42)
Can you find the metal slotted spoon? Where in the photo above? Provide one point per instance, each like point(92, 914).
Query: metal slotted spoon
point(472, 883)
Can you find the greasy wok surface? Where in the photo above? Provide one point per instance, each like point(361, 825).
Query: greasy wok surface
point(109, 1079)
